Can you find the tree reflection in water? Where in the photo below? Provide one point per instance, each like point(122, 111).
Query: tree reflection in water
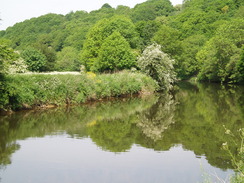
point(154, 121)
point(193, 117)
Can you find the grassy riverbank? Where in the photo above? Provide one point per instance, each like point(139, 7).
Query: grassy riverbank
point(29, 91)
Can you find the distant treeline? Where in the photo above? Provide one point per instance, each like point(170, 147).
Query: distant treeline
point(204, 37)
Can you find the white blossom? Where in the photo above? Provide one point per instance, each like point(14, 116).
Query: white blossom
point(17, 66)
point(158, 65)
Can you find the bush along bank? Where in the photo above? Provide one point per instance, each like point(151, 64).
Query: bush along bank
point(35, 90)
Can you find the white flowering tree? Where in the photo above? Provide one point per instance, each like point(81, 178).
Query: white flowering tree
point(158, 65)
point(17, 66)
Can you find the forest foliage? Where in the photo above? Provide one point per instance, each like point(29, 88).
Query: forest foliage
point(204, 37)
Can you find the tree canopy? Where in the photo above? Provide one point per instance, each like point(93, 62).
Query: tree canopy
point(101, 31)
point(34, 59)
point(204, 37)
point(115, 54)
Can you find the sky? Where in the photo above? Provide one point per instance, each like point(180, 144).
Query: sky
point(13, 11)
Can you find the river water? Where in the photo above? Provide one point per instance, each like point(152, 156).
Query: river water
point(161, 138)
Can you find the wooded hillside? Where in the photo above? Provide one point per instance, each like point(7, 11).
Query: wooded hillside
point(204, 37)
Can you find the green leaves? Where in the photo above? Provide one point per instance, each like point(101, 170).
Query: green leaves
point(168, 38)
point(68, 60)
point(34, 59)
point(240, 66)
point(7, 55)
point(99, 41)
point(187, 64)
point(147, 29)
point(216, 59)
point(151, 9)
point(220, 57)
point(57, 89)
point(115, 54)
point(183, 31)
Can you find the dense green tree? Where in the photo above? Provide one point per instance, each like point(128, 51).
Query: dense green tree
point(100, 14)
point(101, 31)
point(178, 8)
point(187, 65)
point(123, 10)
point(78, 15)
point(45, 47)
point(181, 31)
point(169, 39)
point(221, 6)
point(194, 21)
point(147, 29)
point(93, 44)
point(240, 12)
point(220, 55)
point(68, 60)
point(115, 54)
point(199, 16)
point(240, 66)
point(34, 59)
point(218, 60)
point(77, 37)
point(26, 33)
point(233, 30)
point(151, 9)
point(7, 56)
point(125, 27)
point(106, 5)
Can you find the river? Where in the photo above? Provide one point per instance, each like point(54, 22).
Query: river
point(160, 138)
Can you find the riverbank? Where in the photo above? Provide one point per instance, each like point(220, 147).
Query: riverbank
point(28, 91)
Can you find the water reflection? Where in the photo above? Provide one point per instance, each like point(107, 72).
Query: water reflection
point(201, 114)
point(193, 117)
point(155, 120)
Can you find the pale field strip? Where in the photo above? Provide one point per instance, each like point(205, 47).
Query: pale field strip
point(52, 73)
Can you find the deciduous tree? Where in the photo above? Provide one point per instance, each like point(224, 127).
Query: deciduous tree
point(115, 54)
point(102, 30)
point(34, 59)
point(158, 65)
point(218, 59)
point(68, 60)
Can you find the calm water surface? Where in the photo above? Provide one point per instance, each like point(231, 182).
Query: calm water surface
point(162, 138)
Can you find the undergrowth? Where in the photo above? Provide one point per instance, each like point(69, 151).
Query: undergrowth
point(27, 91)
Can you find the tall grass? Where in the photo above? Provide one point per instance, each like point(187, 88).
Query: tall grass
point(237, 158)
point(40, 89)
